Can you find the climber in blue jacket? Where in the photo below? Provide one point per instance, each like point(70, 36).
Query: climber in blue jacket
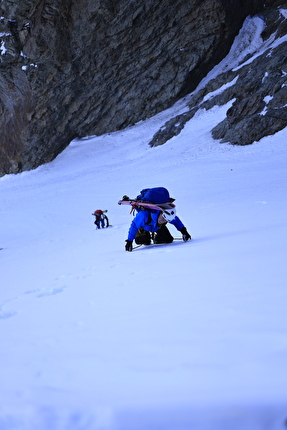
point(154, 221)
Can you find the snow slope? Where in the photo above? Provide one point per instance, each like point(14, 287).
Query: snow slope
point(185, 336)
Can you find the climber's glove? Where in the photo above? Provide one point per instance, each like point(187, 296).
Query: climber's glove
point(185, 235)
point(129, 245)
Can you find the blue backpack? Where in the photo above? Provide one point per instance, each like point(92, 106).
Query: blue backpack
point(154, 195)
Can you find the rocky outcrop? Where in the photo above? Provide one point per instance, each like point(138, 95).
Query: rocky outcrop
point(71, 69)
point(257, 86)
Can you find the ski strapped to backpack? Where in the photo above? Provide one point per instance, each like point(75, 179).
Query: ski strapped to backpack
point(153, 206)
point(157, 198)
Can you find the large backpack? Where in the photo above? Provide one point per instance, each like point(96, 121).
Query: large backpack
point(154, 195)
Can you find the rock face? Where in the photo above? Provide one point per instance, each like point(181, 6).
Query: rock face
point(75, 68)
point(257, 87)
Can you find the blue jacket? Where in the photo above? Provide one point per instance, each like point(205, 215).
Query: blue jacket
point(147, 219)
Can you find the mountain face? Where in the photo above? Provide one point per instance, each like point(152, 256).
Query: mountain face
point(75, 68)
point(256, 88)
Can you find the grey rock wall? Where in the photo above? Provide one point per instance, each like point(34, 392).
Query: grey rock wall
point(75, 68)
point(257, 90)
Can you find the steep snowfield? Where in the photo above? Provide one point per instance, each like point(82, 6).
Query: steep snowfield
point(178, 337)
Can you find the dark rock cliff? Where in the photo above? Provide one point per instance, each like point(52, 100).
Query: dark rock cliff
point(257, 88)
point(75, 68)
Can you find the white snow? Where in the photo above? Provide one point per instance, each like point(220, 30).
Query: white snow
point(265, 76)
point(220, 90)
point(3, 49)
point(248, 43)
point(267, 100)
point(178, 337)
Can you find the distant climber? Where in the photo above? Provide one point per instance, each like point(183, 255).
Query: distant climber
point(101, 220)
